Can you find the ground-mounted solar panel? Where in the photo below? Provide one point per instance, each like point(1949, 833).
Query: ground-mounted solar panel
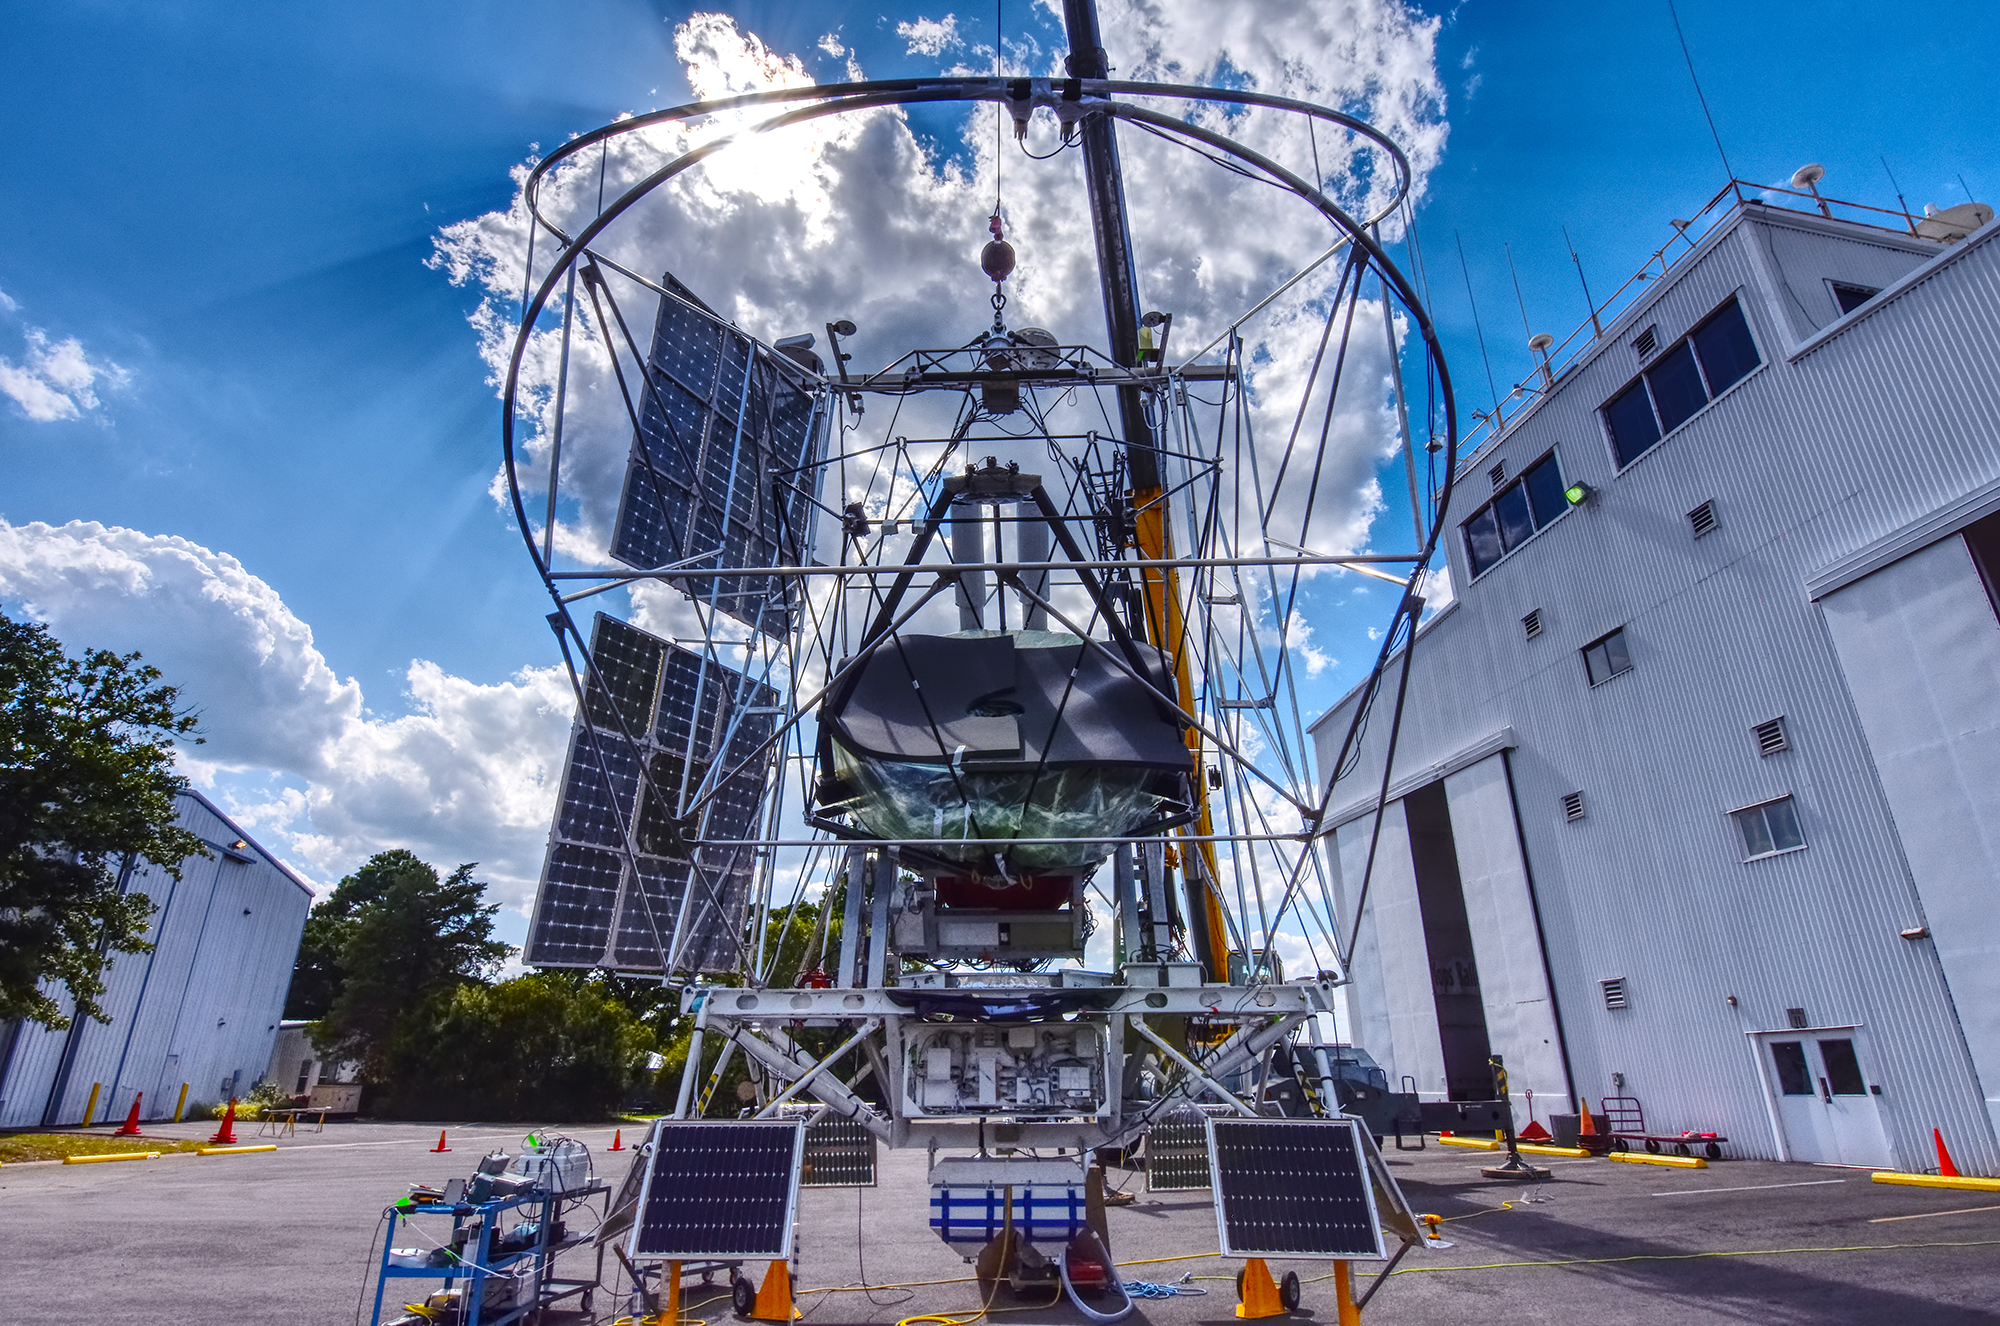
point(719, 1191)
point(839, 1153)
point(1177, 1151)
point(723, 466)
point(1293, 1188)
point(629, 881)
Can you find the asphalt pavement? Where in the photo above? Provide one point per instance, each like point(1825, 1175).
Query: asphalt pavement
point(292, 1236)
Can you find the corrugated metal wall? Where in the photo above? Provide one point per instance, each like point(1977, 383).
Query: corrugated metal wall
point(1840, 439)
point(202, 1008)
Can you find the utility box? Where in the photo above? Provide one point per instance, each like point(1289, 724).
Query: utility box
point(336, 1097)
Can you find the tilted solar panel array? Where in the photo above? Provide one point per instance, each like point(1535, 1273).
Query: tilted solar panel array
point(656, 902)
point(723, 466)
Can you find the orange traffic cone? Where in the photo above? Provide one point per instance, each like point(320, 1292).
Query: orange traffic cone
point(130, 1128)
point(617, 1140)
point(1586, 1127)
point(440, 1146)
point(226, 1135)
point(1946, 1170)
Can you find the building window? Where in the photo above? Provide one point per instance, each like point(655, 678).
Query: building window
point(1714, 357)
point(1606, 657)
point(1517, 510)
point(1769, 829)
point(1851, 297)
point(1794, 1078)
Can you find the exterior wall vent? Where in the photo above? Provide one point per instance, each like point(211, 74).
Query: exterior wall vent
point(1531, 625)
point(1771, 737)
point(1795, 1018)
point(1614, 992)
point(1702, 518)
point(1572, 806)
point(1646, 342)
point(1498, 474)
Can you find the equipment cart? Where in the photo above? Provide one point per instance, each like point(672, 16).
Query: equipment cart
point(1625, 1122)
point(483, 1260)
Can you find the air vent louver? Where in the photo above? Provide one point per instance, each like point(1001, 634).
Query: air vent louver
point(1531, 625)
point(1498, 474)
point(1647, 341)
point(1795, 1018)
point(1614, 992)
point(1771, 737)
point(1572, 806)
point(1702, 518)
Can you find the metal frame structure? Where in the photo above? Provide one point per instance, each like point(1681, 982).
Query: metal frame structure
point(1135, 552)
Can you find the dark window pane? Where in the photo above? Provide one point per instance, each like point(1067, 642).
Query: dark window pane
point(1616, 654)
point(1849, 297)
point(1727, 352)
point(1482, 541)
point(1545, 490)
point(1512, 509)
point(1843, 1071)
point(1677, 388)
point(1607, 658)
point(1629, 416)
point(1782, 817)
point(1756, 837)
point(1983, 537)
point(1790, 1057)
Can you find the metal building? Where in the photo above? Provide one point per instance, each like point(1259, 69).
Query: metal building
point(197, 1016)
point(1699, 779)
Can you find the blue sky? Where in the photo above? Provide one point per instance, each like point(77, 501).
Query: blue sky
point(233, 204)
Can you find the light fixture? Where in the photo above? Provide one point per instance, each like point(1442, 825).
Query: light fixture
point(1917, 932)
point(1578, 493)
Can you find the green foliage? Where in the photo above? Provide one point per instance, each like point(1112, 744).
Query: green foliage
point(548, 1045)
point(87, 786)
point(393, 944)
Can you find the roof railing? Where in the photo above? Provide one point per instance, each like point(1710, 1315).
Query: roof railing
point(1556, 358)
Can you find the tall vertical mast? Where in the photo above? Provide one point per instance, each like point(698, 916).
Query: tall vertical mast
point(1163, 625)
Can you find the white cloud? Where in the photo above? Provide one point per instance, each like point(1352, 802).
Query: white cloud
point(931, 36)
point(832, 45)
point(57, 380)
point(469, 774)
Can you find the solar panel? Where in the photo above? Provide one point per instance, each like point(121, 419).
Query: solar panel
point(724, 463)
point(622, 885)
point(719, 1191)
point(839, 1153)
point(1177, 1151)
point(1293, 1188)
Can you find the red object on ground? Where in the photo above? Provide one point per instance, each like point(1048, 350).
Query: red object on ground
point(440, 1146)
point(130, 1128)
point(1534, 1132)
point(617, 1142)
point(226, 1135)
point(1946, 1170)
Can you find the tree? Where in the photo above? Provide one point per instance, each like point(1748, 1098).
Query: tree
point(397, 940)
point(87, 790)
point(548, 1045)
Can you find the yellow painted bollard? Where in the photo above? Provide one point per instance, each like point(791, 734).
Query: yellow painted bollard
point(181, 1104)
point(90, 1110)
point(1343, 1294)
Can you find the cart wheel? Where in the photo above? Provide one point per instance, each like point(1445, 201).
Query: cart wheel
point(585, 1302)
point(1616, 1144)
point(1288, 1291)
point(1712, 1151)
point(1652, 1146)
point(743, 1296)
point(1681, 1149)
point(1239, 1284)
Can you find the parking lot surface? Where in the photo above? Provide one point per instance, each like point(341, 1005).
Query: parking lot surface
point(291, 1236)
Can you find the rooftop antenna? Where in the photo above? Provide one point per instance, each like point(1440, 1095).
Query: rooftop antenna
point(1968, 192)
point(1539, 343)
point(1901, 201)
point(1480, 332)
point(1699, 96)
point(1596, 327)
point(1808, 178)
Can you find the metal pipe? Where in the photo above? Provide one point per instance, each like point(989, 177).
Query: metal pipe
point(1214, 1087)
point(808, 1077)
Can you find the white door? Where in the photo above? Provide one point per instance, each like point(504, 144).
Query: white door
point(1825, 1103)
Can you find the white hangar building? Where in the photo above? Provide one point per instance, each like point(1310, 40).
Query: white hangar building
point(1698, 792)
point(197, 1014)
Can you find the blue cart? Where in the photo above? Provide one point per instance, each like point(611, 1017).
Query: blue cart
point(474, 1251)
